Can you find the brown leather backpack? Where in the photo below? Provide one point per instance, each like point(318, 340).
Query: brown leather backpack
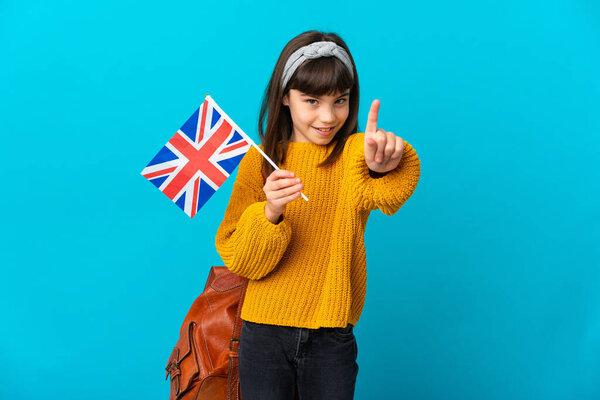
point(204, 363)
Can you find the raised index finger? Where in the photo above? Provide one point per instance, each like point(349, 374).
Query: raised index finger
point(372, 118)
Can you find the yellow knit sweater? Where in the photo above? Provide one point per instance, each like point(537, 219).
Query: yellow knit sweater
point(309, 270)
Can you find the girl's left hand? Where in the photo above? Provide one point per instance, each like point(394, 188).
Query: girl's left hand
point(383, 150)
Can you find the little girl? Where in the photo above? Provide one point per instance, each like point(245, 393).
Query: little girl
point(306, 260)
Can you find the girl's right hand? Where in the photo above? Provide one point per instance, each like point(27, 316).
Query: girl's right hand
point(281, 187)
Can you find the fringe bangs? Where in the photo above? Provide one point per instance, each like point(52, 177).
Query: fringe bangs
point(322, 76)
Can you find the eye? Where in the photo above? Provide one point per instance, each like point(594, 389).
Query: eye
point(341, 101)
point(309, 101)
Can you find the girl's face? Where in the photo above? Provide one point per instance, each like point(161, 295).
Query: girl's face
point(316, 119)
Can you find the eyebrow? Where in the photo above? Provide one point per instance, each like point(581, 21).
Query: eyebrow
point(312, 95)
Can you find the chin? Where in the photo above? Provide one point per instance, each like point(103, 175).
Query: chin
point(323, 139)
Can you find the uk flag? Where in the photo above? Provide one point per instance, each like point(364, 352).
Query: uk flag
point(196, 161)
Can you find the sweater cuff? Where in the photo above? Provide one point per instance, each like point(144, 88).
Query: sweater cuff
point(375, 175)
point(385, 191)
point(258, 244)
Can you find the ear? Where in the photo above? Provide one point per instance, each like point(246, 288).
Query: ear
point(286, 100)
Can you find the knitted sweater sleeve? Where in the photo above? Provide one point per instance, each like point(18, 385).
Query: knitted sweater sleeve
point(248, 243)
point(388, 191)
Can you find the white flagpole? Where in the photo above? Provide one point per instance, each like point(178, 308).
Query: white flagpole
point(246, 137)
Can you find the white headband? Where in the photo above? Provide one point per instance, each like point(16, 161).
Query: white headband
point(314, 50)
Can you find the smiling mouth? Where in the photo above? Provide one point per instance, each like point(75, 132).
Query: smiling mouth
point(323, 130)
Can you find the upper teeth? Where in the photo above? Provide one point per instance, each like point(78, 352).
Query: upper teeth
point(324, 129)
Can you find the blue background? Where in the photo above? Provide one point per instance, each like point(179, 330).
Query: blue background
point(485, 285)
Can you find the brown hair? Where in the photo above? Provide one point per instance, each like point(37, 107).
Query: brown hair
point(319, 76)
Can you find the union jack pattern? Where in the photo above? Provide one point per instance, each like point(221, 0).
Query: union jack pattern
point(198, 159)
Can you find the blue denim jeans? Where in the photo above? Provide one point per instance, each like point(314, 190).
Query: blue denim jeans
point(273, 359)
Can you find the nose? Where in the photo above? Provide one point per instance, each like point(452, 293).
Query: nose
point(327, 115)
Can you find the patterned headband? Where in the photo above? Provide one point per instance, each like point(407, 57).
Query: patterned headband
point(314, 50)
